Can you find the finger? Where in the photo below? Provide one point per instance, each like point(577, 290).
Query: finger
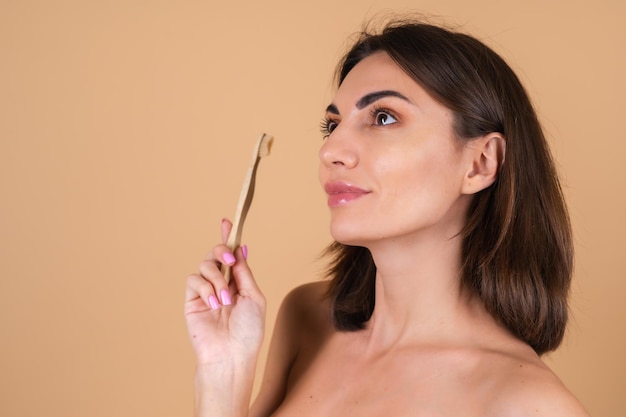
point(214, 276)
point(242, 275)
point(226, 227)
point(211, 271)
point(199, 292)
point(221, 255)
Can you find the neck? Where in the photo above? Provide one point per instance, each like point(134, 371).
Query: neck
point(418, 296)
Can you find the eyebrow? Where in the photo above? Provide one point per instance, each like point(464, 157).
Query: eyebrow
point(368, 99)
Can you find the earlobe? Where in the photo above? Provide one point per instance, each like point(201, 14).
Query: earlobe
point(487, 157)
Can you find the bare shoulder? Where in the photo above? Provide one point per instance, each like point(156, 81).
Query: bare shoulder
point(306, 312)
point(524, 386)
point(302, 322)
point(307, 294)
point(308, 301)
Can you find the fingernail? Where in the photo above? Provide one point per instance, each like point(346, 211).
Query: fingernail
point(213, 302)
point(244, 251)
point(226, 297)
point(228, 258)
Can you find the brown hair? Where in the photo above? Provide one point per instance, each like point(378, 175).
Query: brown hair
point(517, 244)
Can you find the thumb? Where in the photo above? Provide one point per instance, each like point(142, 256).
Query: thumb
point(243, 277)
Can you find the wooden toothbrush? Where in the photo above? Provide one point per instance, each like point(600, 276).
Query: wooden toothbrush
point(261, 149)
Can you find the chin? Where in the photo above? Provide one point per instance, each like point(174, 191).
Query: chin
point(351, 235)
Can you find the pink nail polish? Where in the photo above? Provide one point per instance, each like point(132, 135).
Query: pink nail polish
point(244, 251)
point(226, 297)
point(213, 302)
point(228, 258)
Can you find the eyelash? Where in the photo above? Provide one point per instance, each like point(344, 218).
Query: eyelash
point(327, 126)
point(376, 111)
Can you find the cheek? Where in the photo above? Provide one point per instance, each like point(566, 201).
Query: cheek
point(421, 180)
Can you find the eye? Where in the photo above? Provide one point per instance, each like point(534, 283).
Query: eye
point(383, 118)
point(327, 126)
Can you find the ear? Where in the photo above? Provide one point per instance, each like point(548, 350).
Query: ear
point(487, 155)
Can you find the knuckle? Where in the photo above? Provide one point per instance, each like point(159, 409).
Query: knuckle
point(207, 267)
point(191, 278)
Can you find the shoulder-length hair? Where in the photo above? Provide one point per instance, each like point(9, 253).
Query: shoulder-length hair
point(517, 245)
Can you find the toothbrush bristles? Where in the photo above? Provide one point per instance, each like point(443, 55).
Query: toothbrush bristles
point(265, 146)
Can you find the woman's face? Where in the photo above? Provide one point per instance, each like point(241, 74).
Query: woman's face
point(391, 164)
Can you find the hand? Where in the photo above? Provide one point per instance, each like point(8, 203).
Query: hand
point(226, 322)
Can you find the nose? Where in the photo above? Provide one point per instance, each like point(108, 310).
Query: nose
point(339, 150)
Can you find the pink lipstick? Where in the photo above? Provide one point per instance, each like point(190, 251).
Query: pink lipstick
point(340, 193)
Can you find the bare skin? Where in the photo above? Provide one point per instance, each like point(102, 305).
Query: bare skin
point(349, 374)
point(429, 349)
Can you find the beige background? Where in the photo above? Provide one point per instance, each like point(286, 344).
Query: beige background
point(125, 130)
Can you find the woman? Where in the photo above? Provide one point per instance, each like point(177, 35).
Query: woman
point(452, 261)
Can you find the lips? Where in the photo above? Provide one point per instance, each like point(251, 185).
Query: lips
point(341, 193)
